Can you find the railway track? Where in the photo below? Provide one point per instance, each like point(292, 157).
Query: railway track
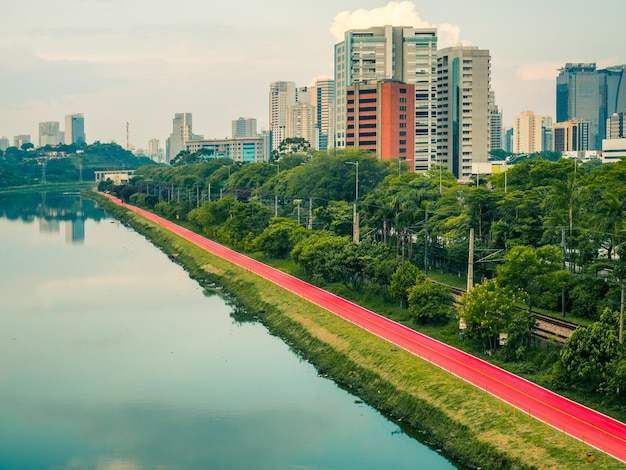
point(548, 328)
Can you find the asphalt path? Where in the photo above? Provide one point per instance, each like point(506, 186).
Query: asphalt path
point(595, 429)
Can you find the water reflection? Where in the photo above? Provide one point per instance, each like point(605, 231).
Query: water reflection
point(51, 211)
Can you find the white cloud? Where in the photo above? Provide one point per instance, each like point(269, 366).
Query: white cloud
point(397, 14)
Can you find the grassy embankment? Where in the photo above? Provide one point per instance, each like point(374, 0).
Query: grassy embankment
point(465, 423)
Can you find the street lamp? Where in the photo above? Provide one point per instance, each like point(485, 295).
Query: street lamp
point(355, 214)
point(277, 165)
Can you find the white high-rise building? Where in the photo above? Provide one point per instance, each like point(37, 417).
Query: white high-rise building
point(182, 132)
point(464, 75)
point(301, 122)
point(49, 133)
point(282, 96)
point(155, 151)
point(75, 129)
point(404, 54)
point(527, 133)
point(324, 102)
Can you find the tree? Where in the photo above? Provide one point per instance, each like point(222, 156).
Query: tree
point(280, 237)
point(318, 256)
point(403, 281)
point(591, 355)
point(531, 270)
point(490, 310)
point(430, 301)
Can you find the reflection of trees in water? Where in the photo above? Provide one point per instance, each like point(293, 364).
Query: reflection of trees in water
point(50, 206)
point(238, 312)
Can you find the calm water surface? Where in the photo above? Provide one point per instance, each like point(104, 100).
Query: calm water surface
point(111, 357)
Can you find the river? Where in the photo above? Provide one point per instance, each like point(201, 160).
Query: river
point(111, 357)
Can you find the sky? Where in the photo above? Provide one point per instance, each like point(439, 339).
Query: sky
point(142, 61)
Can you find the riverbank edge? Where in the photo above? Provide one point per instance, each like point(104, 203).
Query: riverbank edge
point(421, 418)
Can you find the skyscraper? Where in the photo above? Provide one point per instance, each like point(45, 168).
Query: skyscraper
point(324, 102)
point(49, 133)
point(527, 133)
point(301, 122)
point(379, 119)
point(244, 127)
point(573, 135)
point(282, 95)
point(75, 129)
point(182, 132)
point(583, 92)
point(464, 75)
point(155, 152)
point(403, 54)
point(615, 126)
point(495, 124)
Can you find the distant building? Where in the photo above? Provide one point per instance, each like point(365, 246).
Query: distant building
point(182, 132)
point(572, 135)
point(463, 90)
point(615, 126)
point(586, 93)
point(282, 96)
point(379, 119)
point(4, 143)
point(49, 133)
point(527, 133)
point(508, 140)
point(547, 137)
point(20, 140)
point(401, 53)
point(324, 101)
point(495, 125)
point(301, 122)
point(613, 150)
point(241, 149)
point(244, 127)
point(75, 129)
point(155, 151)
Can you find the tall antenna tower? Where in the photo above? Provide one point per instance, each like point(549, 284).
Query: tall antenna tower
point(127, 136)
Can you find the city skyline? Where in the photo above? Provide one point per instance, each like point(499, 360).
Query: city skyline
point(117, 62)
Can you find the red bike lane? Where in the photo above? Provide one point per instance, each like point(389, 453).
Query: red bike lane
point(593, 428)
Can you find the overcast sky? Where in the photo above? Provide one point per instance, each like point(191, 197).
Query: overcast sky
point(141, 61)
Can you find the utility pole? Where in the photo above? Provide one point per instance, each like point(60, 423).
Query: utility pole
point(470, 261)
point(563, 267)
point(275, 205)
point(310, 222)
point(621, 315)
point(425, 242)
point(355, 214)
point(298, 202)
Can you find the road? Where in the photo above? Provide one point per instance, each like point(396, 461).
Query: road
point(593, 428)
